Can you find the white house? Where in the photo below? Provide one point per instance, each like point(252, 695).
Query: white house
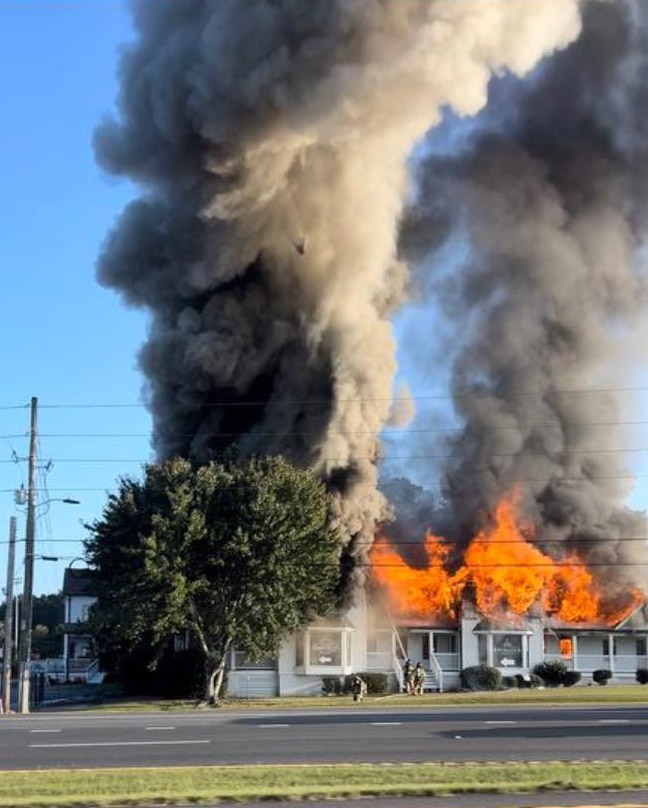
point(365, 639)
point(79, 662)
point(357, 642)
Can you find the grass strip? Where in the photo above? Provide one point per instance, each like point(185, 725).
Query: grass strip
point(137, 786)
point(615, 694)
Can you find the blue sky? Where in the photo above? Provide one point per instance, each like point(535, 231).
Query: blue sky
point(65, 339)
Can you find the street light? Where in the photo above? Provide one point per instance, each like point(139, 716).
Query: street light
point(25, 649)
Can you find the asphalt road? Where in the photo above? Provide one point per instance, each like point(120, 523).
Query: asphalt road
point(68, 739)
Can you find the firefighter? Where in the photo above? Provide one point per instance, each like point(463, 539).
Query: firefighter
point(358, 687)
point(419, 679)
point(408, 676)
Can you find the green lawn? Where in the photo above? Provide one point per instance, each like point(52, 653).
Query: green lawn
point(119, 787)
point(610, 694)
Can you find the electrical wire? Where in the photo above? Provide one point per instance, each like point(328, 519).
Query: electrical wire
point(477, 394)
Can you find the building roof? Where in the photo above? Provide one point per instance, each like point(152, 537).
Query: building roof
point(78, 581)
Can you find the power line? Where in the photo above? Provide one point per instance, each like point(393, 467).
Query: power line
point(443, 542)
point(350, 432)
point(381, 457)
point(386, 484)
point(361, 399)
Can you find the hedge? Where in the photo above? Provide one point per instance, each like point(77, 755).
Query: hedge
point(480, 677)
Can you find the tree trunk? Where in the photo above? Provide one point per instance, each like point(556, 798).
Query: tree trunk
point(215, 665)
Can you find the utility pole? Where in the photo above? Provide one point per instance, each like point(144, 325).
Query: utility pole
point(8, 627)
point(28, 588)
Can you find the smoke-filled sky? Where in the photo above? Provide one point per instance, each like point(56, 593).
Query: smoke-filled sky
point(290, 204)
point(273, 142)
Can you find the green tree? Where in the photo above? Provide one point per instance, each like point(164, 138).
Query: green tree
point(47, 637)
point(240, 552)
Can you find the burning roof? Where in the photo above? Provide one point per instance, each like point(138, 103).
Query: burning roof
point(505, 574)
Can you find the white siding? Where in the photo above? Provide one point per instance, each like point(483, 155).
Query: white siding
point(251, 684)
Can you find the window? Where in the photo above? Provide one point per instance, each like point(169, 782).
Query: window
point(241, 660)
point(566, 646)
point(507, 650)
point(425, 646)
point(85, 613)
point(641, 646)
point(606, 646)
point(379, 642)
point(325, 648)
point(445, 643)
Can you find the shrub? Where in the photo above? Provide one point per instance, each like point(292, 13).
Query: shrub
point(377, 683)
point(480, 677)
point(331, 685)
point(602, 676)
point(642, 676)
point(551, 672)
point(509, 682)
point(530, 681)
point(572, 678)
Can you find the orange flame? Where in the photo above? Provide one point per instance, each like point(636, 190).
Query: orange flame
point(416, 592)
point(508, 575)
point(566, 646)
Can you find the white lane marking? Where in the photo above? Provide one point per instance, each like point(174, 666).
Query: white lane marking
point(152, 729)
point(613, 721)
point(113, 743)
point(386, 724)
point(44, 730)
point(501, 722)
point(269, 726)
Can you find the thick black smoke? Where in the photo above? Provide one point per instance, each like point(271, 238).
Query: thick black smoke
point(270, 139)
point(549, 193)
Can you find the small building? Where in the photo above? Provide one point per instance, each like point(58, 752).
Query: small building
point(356, 642)
point(79, 662)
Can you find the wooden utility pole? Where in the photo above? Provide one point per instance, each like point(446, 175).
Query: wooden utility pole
point(8, 621)
point(28, 589)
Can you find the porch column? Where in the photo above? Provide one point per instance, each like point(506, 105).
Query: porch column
point(575, 652)
point(611, 648)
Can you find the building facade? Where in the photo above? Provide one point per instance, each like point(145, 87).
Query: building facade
point(356, 642)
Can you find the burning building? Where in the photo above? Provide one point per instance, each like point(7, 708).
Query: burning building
point(296, 195)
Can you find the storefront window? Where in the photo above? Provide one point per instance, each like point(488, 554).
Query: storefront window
point(325, 648)
point(507, 650)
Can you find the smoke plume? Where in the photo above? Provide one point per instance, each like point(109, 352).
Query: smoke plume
point(549, 194)
point(270, 139)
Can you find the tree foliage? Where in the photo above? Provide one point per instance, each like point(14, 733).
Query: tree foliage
point(47, 639)
point(238, 552)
